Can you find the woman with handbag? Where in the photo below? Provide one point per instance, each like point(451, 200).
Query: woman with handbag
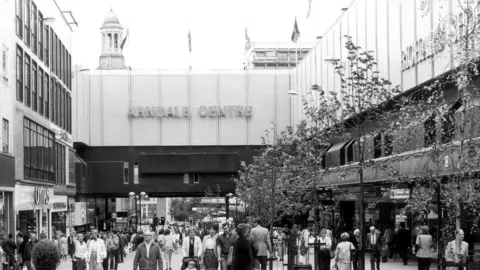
point(344, 253)
point(324, 256)
point(424, 253)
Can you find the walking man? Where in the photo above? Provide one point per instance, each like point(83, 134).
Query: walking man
point(403, 242)
point(259, 236)
point(224, 243)
point(374, 243)
point(148, 255)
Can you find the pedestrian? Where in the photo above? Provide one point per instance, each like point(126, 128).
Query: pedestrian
point(96, 252)
point(21, 249)
point(424, 244)
point(343, 252)
point(388, 240)
point(453, 255)
point(80, 252)
point(403, 243)
point(324, 258)
point(169, 241)
point(243, 250)
point(63, 247)
point(9, 247)
point(45, 255)
point(261, 243)
point(27, 252)
point(148, 255)
point(123, 245)
point(281, 242)
point(374, 244)
point(113, 249)
point(224, 243)
point(210, 255)
point(355, 239)
point(71, 242)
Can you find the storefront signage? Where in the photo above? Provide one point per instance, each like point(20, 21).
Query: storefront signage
point(400, 194)
point(41, 196)
point(186, 111)
point(59, 205)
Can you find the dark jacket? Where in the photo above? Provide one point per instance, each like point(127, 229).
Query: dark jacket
point(243, 250)
point(154, 260)
point(27, 251)
point(71, 245)
point(9, 246)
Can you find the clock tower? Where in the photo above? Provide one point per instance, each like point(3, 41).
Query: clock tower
point(112, 55)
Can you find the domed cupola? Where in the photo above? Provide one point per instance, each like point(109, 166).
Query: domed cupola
point(111, 56)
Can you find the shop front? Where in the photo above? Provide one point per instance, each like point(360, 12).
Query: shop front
point(59, 214)
point(34, 209)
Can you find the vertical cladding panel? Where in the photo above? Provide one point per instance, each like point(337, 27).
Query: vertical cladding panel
point(371, 29)
point(283, 101)
point(115, 110)
point(319, 64)
point(324, 80)
point(361, 23)
point(337, 49)
point(352, 22)
point(408, 38)
point(262, 87)
point(423, 30)
point(233, 130)
point(95, 97)
point(174, 92)
point(330, 69)
point(144, 93)
point(204, 93)
point(382, 38)
point(394, 42)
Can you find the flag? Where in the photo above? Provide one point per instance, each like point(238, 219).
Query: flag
point(189, 41)
point(309, 8)
point(124, 40)
point(296, 32)
point(248, 43)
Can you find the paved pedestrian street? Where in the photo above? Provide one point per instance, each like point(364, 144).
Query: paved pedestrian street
point(177, 258)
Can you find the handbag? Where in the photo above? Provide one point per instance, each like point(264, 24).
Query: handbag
point(384, 255)
point(230, 256)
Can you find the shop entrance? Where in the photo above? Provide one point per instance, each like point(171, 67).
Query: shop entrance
point(347, 214)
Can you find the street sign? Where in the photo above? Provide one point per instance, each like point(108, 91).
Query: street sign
point(400, 193)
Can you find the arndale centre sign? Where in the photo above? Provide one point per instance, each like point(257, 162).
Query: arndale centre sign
point(186, 111)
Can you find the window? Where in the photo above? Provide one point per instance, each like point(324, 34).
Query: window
point(71, 166)
point(4, 62)
point(34, 86)
point(349, 151)
point(125, 173)
point(448, 123)
point(40, 35)
point(271, 54)
point(26, 23)
point(186, 178)
point(62, 108)
point(58, 55)
point(47, 44)
point(27, 80)
point(46, 96)
point(115, 41)
point(19, 18)
point(57, 103)
point(34, 31)
point(69, 113)
point(5, 136)
point(52, 99)
point(52, 50)
point(260, 54)
point(388, 144)
point(60, 172)
point(39, 155)
point(377, 146)
point(69, 74)
point(430, 131)
point(196, 178)
point(282, 56)
point(19, 67)
point(40, 91)
point(135, 173)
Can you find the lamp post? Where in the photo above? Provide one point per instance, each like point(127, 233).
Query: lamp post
point(227, 205)
point(138, 200)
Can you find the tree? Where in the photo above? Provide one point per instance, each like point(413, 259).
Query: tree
point(182, 208)
point(367, 106)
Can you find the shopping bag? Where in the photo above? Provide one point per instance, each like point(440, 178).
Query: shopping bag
point(230, 256)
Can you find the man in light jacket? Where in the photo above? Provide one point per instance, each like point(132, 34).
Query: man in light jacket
point(192, 239)
point(148, 255)
point(259, 236)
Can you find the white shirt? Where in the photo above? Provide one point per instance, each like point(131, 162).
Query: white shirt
point(373, 239)
point(147, 245)
point(81, 249)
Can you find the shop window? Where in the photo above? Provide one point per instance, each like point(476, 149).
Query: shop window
point(430, 131)
point(125, 172)
point(377, 146)
point(448, 123)
point(135, 172)
point(5, 136)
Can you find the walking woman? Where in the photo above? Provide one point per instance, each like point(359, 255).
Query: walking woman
point(425, 249)
point(80, 252)
point(209, 250)
point(242, 249)
point(169, 241)
point(324, 253)
point(343, 253)
point(96, 252)
point(63, 247)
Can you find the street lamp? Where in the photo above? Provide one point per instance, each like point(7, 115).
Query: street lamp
point(138, 200)
point(227, 205)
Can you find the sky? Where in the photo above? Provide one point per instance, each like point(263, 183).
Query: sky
point(158, 29)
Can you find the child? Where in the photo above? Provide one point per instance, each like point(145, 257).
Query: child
point(192, 265)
